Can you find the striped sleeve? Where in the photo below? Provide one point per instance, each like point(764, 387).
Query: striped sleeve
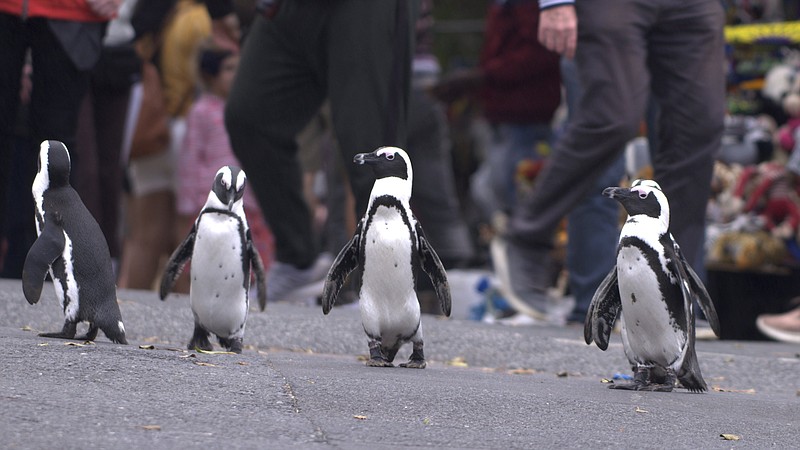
point(544, 4)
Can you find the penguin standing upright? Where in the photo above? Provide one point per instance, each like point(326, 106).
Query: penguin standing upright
point(654, 289)
point(73, 250)
point(222, 252)
point(388, 244)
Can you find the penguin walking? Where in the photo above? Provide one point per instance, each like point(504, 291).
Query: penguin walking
point(70, 247)
point(222, 253)
point(388, 244)
point(652, 289)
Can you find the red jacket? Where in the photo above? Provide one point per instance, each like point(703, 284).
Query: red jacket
point(522, 80)
point(77, 10)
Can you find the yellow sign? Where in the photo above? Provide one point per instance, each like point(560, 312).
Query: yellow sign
point(763, 32)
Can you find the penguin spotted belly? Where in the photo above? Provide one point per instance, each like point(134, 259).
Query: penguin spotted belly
point(651, 332)
point(388, 302)
point(217, 295)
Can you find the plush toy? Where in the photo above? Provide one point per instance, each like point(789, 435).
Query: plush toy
point(768, 191)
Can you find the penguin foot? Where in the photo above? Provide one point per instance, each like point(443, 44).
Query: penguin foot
point(68, 332)
point(233, 345)
point(414, 364)
point(200, 339)
point(59, 335)
point(627, 386)
point(379, 362)
point(91, 334)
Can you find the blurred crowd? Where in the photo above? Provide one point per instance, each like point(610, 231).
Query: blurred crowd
point(151, 97)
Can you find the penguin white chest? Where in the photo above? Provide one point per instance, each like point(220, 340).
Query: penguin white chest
point(218, 295)
point(388, 301)
point(651, 333)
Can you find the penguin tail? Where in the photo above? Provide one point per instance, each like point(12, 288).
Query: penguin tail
point(115, 333)
point(689, 374)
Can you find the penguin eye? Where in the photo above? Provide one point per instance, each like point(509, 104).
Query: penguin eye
point(390, 156)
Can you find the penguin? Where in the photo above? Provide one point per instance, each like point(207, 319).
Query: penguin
point(388, 245)
point(654, 289)
point(222, 253)
point(70, 247)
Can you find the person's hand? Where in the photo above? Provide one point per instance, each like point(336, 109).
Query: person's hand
point(104, 8)
point(226, 32)
point(457, 84)
point(558, 29)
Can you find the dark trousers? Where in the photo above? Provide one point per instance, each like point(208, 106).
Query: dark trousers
point(353, 52)
point(58, 87)
point(627, 48)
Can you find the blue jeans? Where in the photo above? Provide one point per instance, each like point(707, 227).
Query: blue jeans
point(512, 143)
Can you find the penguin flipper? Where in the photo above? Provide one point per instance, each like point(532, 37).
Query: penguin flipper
point(603, 311)
point(258, 267)
point(699, 292)
point(432, 266)
point(346, 261)
point(177, 262)
point(48, 247)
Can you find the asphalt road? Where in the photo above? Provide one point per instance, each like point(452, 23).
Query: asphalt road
point(301, 383)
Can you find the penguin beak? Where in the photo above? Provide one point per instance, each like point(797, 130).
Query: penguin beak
point(364, 158)
point(231, 198)
point(617, 193)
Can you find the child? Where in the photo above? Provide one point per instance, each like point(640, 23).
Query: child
point(206, 148)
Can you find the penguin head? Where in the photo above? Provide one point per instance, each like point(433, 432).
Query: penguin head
point(387, 162)
point(644, 197)
point(54, 165)
point(228, 187)
point(391, 166)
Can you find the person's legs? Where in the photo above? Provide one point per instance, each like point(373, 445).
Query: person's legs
point(592, 235)
point(611, 60)
point(687, 63)
point(433, 195)
point(277, 89)
point(369, 48)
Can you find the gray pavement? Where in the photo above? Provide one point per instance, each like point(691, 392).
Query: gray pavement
point(301, 383)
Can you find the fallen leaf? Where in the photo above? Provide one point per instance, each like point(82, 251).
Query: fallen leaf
point(606, 380)
point(150, 427)
point(730, 437)
point(212, 352)
point(640, 410)
point(360, 417)
point(243, 363)
point(739, 391)
point(74, 344)
point(362, 358)
point(521, 371)
point(204, 364)
point(729, 359)
point(147, 347)
point(43, 344)
point(190, 355)
point(458, 361)
point(426, 421)
point(562, 374)
point(26, 328)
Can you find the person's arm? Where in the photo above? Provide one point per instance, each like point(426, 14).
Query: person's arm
point(225, 29)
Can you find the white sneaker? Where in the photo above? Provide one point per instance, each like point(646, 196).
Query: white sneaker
point(286, 282)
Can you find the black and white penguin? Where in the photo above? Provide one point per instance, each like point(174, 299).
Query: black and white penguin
point(388, 244)
point(222, 253)
point(653, 289)
point(73, 250)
